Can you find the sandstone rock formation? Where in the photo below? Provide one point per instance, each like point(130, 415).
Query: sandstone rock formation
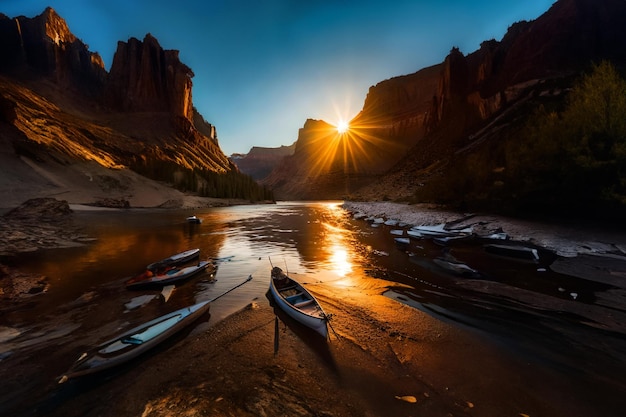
point(144, 77)
point(564, 41)
point(65, 108)
point(40, 223)
point(260, 161)
point(45, 45)
point(425, 118)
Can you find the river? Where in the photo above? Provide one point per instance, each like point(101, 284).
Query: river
point(544, 316)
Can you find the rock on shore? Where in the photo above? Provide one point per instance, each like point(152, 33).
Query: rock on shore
point(565, 241)
point(40, 223)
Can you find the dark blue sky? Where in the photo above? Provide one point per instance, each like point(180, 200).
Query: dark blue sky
point(262, 67)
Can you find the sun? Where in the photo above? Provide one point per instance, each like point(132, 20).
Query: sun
point(342, 126)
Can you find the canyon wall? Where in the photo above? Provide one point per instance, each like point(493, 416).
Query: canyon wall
point(144, 77)
point(45, 45)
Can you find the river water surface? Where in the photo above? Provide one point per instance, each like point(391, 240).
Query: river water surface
point(519, 305)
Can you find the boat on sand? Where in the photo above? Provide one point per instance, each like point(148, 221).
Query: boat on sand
point(520, 252)
point(297, 302)
point(138, 340)
point(134, 342)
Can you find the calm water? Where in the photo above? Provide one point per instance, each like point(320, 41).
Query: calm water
point(303, 238)
point(87, 301)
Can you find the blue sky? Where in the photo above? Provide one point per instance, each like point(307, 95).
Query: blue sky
point(262, 67)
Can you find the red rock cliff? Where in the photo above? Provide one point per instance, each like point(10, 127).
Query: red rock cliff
point(44, 44)
point(144, 77)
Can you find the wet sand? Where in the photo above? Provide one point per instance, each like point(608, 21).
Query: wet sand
point(382, 359)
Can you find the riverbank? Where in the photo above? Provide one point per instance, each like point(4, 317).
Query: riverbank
point(384, 358)
point(47, 223)
point(564, 240)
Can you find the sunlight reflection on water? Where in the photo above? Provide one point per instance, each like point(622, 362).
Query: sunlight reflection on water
point(313, 239)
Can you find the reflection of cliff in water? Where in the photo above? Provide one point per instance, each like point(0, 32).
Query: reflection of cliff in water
point(125, 242)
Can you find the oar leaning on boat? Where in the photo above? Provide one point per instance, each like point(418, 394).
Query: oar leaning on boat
point(138, 340)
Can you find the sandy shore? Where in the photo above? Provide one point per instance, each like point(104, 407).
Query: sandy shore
point(382, 359)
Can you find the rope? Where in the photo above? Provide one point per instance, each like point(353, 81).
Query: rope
point(328, 318)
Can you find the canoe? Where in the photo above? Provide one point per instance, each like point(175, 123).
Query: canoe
point(194, 219)
point(439, 231)
point(140, 339)
point(523, 253)
point(456, 267)
point(297, 302)
point(134, 342)
point(402, 242)
point(167, 277)
point(178, 259)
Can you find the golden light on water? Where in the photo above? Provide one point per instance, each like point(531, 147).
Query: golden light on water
point(337, 246)
point(339, 261)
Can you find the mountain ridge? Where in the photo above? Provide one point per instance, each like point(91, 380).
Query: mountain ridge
point(472, 95)
point(59, 104)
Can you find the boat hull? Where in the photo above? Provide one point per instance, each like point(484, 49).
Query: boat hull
point(178, 259)
point(300, 305)
point(522, 253)
point(135, 341)
point(170, 277)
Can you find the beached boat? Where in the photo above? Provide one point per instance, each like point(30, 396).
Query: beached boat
point(456, 267)
point(297, 302)
point(523, 253)
point(178, 259)
point(134, 342)
point(402, 242)
point(438, 230)
point(138, 340)
point(167, 276)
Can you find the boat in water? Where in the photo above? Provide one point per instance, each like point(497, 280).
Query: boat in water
point(194, 219)
point(174, 260)
point(297, 302)
point(167, 276)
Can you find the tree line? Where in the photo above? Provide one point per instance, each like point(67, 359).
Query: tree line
point(203, 182)
point(565, 157)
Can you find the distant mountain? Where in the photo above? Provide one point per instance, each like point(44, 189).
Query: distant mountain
point(329, 165)
point(415, 128)
point(58, 104)
point(260, 161)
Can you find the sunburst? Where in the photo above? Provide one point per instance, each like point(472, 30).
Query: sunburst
point(342, 127)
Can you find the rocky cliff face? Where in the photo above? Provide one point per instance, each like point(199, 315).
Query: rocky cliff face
point(330, 165)
point(144, 77)
point(260, 161)
point(66, 108)
point(424, 118)
point(565, 40)
point(45, 45)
